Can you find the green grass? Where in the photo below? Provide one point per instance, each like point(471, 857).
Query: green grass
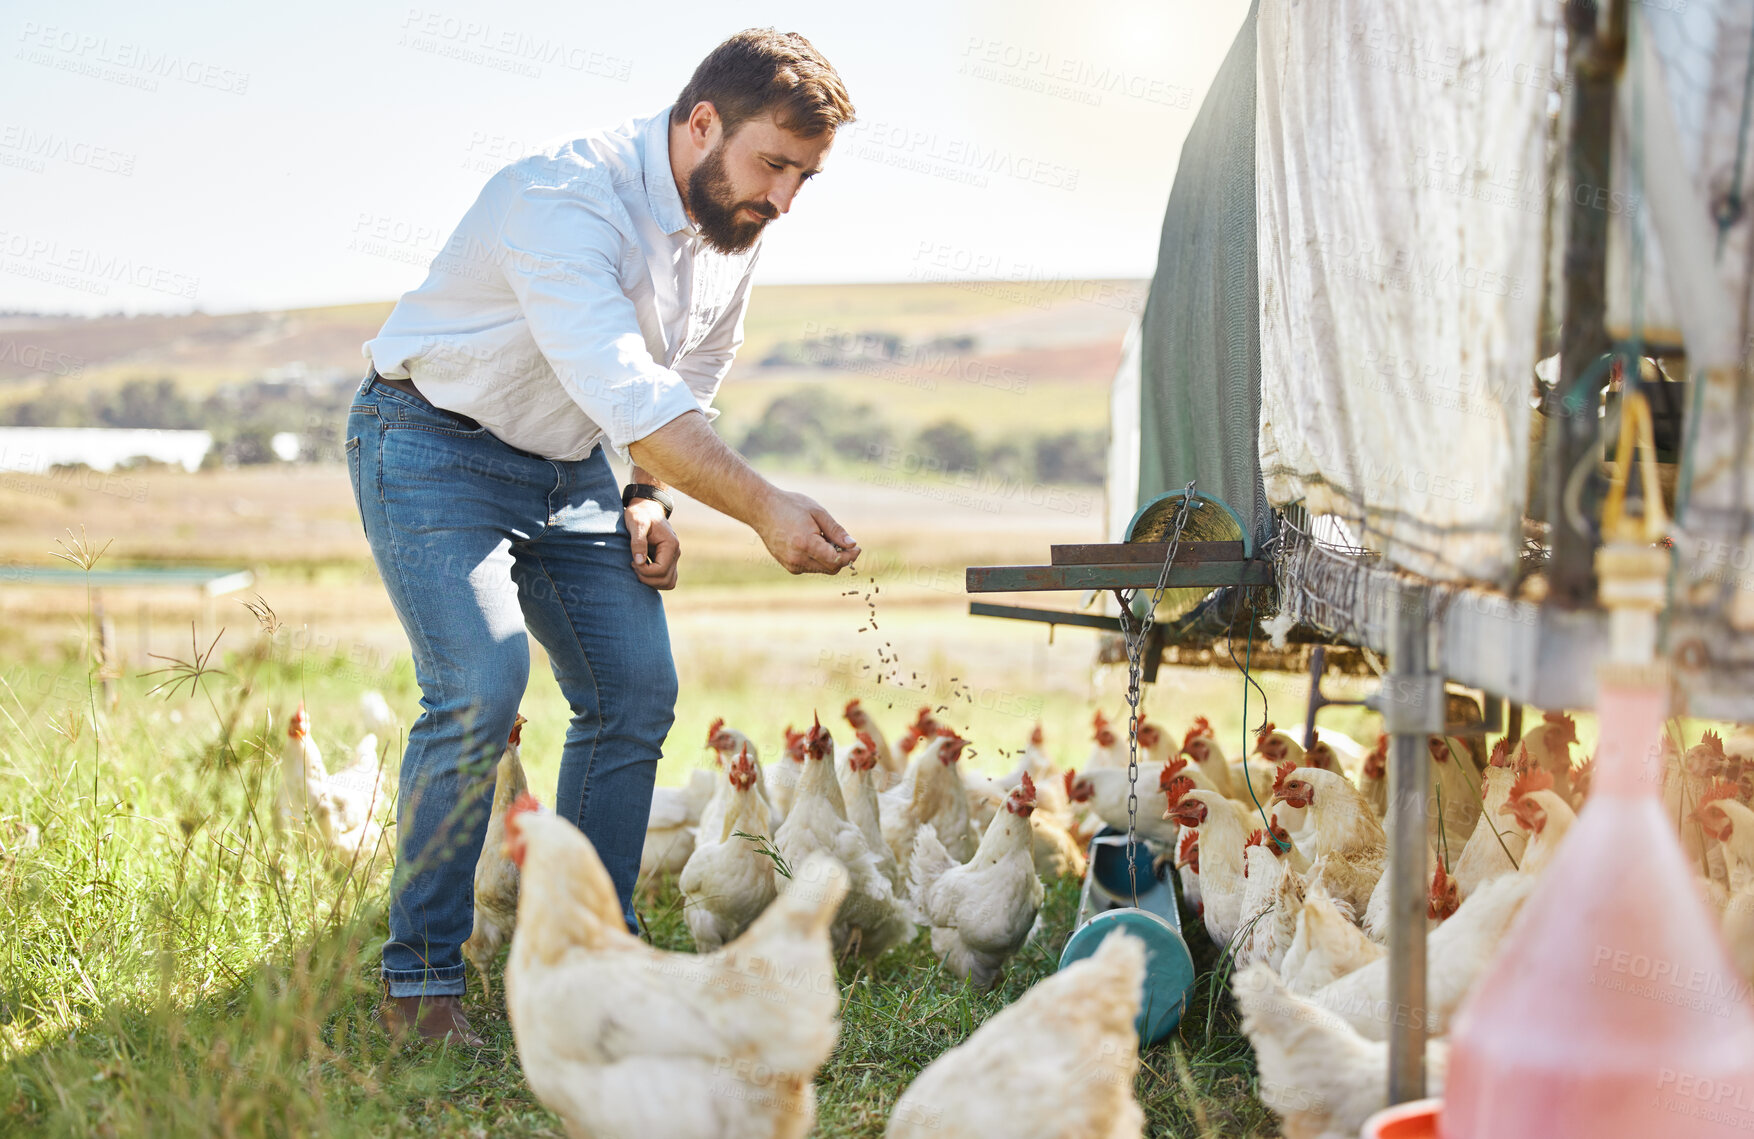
point(175, 967)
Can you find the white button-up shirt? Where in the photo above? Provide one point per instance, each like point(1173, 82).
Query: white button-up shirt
point(575, 302)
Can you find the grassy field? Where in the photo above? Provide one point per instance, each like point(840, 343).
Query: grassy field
point(177, 967)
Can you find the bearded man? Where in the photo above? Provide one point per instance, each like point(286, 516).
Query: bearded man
point(591, 299)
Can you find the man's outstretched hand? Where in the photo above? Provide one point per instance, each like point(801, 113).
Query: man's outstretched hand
point(655, 548)
point(803, 537)
point(687, 454)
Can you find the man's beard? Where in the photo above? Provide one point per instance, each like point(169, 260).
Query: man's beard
point(714, 205)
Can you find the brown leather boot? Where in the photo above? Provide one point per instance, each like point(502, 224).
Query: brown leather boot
point(433, 1019)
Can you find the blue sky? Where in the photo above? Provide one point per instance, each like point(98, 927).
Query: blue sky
point(215, 157)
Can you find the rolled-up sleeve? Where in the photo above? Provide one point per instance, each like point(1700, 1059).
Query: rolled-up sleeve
point(560, 260)
point(705, 368)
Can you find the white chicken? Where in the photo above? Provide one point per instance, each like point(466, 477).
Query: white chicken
point(981, 912)
point(1108, 747)
point(1326, 945)
point(1223, 827)
point(618, 1038)
point(1057, 854)
point(858, 790)
point(782, 777)
point(889, 765)
point(496, 876)
point(1201, 746)
point(1273, 871)
point(1105, 790)
point(379, 719)
point(1321, 1077)
point(1339, 826)
point(1050, 787)
point(931, 794)
point(1059, 1062)
point(1495, 847)
point(729, 882)
point(726, 745)
point(343, 806)
point(873, 916)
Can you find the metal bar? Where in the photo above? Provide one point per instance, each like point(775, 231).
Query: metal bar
point(1050, 617)
point(1595, 58)
point(1318, 663)
point(1412, 704)
point(1513, 728)
point(1121, 553)
point(1153, 654)
point(1143, 575)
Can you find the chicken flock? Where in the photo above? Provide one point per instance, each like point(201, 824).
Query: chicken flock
point(846, 848)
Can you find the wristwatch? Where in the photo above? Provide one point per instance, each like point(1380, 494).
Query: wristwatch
point(647, 490)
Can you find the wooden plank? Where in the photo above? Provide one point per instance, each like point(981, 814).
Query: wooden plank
point(1023, 579)
point(1123, 553)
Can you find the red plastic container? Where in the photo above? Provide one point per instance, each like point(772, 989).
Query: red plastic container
point(1612, 1010)
point(1416, 1119)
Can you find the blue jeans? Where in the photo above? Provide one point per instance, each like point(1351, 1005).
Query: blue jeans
point(477, 541)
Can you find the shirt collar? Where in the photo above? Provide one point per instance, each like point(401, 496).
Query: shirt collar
point(661, 195)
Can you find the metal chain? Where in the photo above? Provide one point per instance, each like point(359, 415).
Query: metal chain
point(1134, 636)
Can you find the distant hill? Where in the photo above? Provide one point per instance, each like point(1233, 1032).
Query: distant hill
point(1060, 328)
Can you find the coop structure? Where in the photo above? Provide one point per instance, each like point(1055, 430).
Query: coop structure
point(1415, 260)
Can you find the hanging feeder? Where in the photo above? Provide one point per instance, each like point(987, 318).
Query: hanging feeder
point(1105, 905)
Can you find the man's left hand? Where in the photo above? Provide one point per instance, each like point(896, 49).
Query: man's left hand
point(655, 548)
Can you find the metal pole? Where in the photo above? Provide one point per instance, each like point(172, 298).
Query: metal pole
point(1594, 57)
point(1412, 705)
point(1318, 664)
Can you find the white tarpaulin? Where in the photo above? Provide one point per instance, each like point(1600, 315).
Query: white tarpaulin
point(1397, 143)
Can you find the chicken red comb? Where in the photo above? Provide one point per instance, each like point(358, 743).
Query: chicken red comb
point(1174, 767)
point(953, 745)
point(300, 724)
point(1438, 878)
point(1713, 745)
point(516, 735)
point(1170, 773)
point(865, 738)
point(742, 773)
point(1190, 841)
point(1382, 745)
point(1266, 732)
point(1035, 736)
point(852, 709)
point(1581, 776)
point(1071, 778)
point(924, 719)
point(1282, 774)
point(1177, 789)
point(713, 729)
point(1202, 727)
point(1028, 788)
point(1535, 779)
point(817, 740)
point(1501, 753)
point(1255, 838)
point(1564, 721)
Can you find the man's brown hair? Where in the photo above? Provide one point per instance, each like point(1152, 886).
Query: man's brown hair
point(758, 71)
